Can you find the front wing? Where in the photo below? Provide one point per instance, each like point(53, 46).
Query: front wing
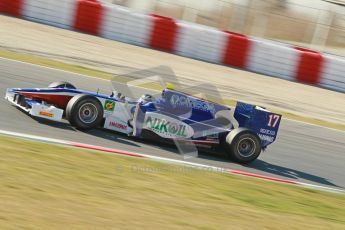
point(34, 108)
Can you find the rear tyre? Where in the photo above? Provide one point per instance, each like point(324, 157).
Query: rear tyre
point(243, 145)
point(61, 85)
point(84, 112)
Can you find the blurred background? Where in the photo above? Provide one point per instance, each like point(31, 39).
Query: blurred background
point(315, 24)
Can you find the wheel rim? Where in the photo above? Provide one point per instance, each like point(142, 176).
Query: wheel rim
point(246, 147)
point(88, 113)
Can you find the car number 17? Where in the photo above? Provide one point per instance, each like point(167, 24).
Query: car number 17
point(273, 120)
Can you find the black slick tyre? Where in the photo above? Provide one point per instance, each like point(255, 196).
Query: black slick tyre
point(84, 112)
point(61, 85)
point(243, 145)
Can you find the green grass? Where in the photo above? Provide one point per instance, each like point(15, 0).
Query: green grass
point(33, 59)
point(37, 60)
point(44, 186)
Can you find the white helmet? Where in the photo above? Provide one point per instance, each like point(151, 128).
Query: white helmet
point(146, 98)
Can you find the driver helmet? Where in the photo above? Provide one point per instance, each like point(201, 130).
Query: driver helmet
point(146, 98)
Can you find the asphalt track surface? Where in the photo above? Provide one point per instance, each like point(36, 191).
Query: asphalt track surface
point(302, 152)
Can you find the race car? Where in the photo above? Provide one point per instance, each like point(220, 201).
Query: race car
point(241, 132)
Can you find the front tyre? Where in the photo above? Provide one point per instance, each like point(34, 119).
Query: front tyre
point(61, 85)
point(84, 112)
point(243, 145)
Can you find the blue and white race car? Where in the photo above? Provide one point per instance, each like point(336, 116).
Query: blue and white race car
point(242, 132)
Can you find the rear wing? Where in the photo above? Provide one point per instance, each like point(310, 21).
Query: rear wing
point(261, 121)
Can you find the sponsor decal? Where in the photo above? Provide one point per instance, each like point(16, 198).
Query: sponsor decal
point(266, 138)
point(109, 105)
point(268, 132)
point(117, 125)
point(167, 127)
point(46, 114)
point(183, 101)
